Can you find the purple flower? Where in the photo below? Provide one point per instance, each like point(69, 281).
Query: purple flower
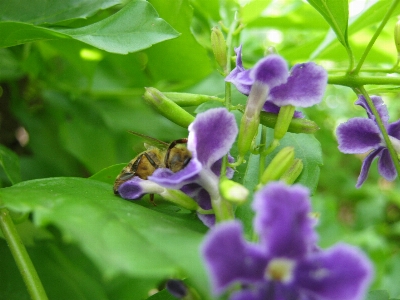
point(360, 135)
point(211, 136)
point(303, 87)
point(285, 264)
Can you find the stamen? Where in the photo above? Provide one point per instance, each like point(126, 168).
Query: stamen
point(280, 269)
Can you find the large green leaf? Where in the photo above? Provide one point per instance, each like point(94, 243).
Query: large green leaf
point(135, 27)
point(10, 163)
point(119, 236)
point(39, 12)
point(336, 13)
point(183, 59)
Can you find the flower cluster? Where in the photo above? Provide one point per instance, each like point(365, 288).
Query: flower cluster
point(211, 136)
point(360, 135)
point(304, 86)
point(285, 264)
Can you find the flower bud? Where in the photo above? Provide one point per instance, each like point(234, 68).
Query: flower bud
point(233, 191)
point(397, 37)
point(218, 46)
point(167, 107)
point(251, 117)
point(285, 116)
point(187, 99)
point(279, 165)
point(297, 125)
point(293, 172)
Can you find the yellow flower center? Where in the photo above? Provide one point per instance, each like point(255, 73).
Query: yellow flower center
point(280, 269)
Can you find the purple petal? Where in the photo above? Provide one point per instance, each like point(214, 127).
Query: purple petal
point(282, 220)
point(136, 187)
point(386, 166)
point(304, 87)
point(379, 105)
point(211, 136)
point(271, 70)
point(358, 135)
point(216, 167)
point(366, 165)
point(272, 108)
point(393, 129)
point(131, 189)
point(169, 179)
point(229, 258)
point(208, 220)
point(239, 76)
point(342, 272)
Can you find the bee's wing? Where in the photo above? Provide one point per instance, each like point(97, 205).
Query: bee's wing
point(151, 142)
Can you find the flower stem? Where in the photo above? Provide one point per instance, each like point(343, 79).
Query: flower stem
point(354, 81)
point(382, 128)
point(263, 141)
point(21, 257)
point(375, 36)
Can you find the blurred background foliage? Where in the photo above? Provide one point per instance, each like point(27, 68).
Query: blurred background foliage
point(65, 109)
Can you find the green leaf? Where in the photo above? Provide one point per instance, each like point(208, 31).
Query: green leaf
point(39, 12)
point(336, 13)
point(119, 236)
point(183, 59)
point(76, 277)
point(108, 174)
point(10, 163)
point(378, 295)
point(135, 27)
point(253, 10)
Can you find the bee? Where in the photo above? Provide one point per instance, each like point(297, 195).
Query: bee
point(158, 154)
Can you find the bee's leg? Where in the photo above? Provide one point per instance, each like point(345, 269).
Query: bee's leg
point(151, 161)
point(152, 200)
point(172, 145)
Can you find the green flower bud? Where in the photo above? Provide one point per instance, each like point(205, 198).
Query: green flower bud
point(251, 117)
point(293, 172)
point(218, 46)
point(233, 191)
point(167, 107)
point(186, 99)
point(285, 116)
point(297, 125)
point(397, 37)
point(279, 165)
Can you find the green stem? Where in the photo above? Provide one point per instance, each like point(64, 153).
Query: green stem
point(382, 128)
point(375, 36)
point(355, 81)
point(21, 257)
point(263, 141)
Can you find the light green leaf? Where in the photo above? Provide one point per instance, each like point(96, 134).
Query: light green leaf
point(253, 10)
point(39, 12)
point(109, 174)
point(135, 27)
point(119, 236)
point(336, 13)
point(10, 163)
point(183, 59)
